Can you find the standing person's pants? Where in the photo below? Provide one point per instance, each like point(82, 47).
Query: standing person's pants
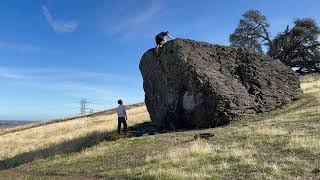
point(124, 122)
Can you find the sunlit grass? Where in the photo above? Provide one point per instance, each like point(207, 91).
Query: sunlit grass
point(44, 136)
point(282, 144)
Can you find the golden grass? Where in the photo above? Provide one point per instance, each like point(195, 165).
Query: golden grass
point(42, 137)
point(189, 161)
point(310, 84)
point(189, 158)
point(283, 144)
point(303, 142)
point(177, 154)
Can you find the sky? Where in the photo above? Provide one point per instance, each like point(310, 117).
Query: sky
point(53, 53)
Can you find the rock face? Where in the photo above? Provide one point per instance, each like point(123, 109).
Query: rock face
point(191, 84)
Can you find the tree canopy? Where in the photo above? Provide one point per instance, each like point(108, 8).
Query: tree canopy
point(295, 47)
point(252, 31)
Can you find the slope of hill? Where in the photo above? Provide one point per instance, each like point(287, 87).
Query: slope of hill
point(37, 124)
point(4, 124)
point(280, 144)
point(24, 143)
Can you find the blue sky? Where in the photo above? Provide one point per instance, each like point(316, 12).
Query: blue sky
point(53, 53)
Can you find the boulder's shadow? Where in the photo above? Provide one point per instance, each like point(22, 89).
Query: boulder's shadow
point(144, 129)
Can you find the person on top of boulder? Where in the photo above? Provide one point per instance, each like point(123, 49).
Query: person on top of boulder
point(160, 40)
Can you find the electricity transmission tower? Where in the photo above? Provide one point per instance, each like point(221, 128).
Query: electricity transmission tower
point(83, 106)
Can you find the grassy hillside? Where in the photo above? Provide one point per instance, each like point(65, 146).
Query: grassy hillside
point(5, 124)
point(24, 143)
point(283, 144)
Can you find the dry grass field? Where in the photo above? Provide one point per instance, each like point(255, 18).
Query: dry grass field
point(51, 138)
point(282, 144)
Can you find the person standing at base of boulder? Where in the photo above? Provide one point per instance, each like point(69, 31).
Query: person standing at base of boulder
point(122, 116)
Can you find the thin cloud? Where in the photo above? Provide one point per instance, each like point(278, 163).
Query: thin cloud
point(59, 25)
point(55, 74)
point(27, 48)
point(97, 87)
point(97, 93)
point(138, 19)
point(137, 22)
point(7, 74)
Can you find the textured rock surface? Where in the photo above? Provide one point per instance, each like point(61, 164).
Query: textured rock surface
point(191, 84)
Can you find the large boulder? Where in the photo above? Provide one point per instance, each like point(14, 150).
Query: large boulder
point(190, 84)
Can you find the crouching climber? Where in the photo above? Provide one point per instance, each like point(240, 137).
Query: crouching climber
point(160, 40)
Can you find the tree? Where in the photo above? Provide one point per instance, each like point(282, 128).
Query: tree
point(299, 46)
point(252, 32)
point(295, 47)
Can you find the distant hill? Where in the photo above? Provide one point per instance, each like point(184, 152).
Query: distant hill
point(13, 123)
